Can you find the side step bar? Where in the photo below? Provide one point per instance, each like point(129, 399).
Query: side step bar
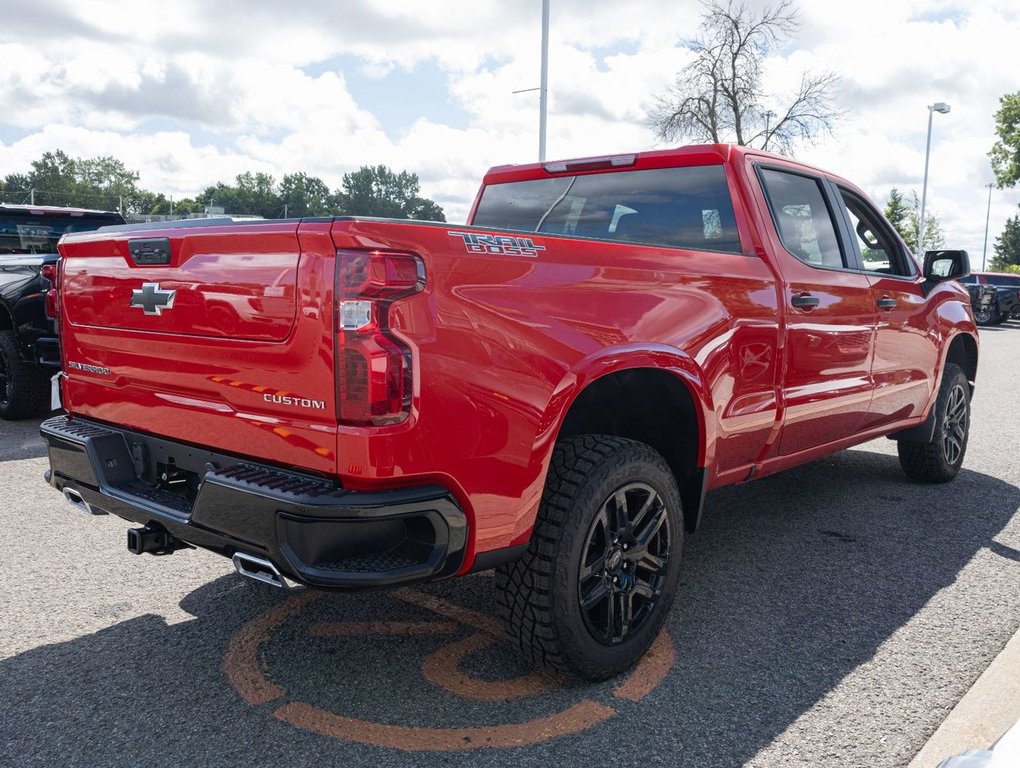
point(260, 569)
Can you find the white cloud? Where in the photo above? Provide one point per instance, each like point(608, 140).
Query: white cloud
point(192, 93)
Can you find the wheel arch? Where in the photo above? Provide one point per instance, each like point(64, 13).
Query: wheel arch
point(6, 317)
point(962, 351)
point(654, 399)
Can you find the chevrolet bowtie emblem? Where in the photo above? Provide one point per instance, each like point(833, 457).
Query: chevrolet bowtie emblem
point(151, 299)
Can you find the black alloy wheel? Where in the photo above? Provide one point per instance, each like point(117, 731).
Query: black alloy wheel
point(595, 586)
point(623, 569)
point(983, 315)
point(955, 423)
point(939, 460)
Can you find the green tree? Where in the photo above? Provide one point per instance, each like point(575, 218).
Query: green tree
point(1007, 246)
point(378, 191)
point(161, 205)
point(105, 182)
point(898, 213)
point(720, 96)
point(934, 238)
point(99, 182)
point(906, 217)
point(304, 195)
point(1005, 153)
point(15, 188)
point(52, 180)
point(252, 194)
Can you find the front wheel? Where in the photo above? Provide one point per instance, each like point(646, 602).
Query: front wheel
point(600, 573)
point(938, 460)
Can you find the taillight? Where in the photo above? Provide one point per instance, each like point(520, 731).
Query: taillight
point(374, 367)
point(51, 273)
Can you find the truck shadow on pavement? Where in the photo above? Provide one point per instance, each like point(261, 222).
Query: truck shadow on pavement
point(792, 583)
point(21, 440)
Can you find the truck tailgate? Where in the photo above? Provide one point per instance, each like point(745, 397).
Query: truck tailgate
point(219, 335)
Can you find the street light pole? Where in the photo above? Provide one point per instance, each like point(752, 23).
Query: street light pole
point(988, 213)
point(543, 101)
point(942, 108)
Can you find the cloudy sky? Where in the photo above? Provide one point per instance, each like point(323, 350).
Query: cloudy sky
point(190, 93)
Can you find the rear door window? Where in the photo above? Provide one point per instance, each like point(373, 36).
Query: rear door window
point(683, 207)
point(802, 217)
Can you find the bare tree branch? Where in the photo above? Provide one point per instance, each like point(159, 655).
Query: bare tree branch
point(719, 96)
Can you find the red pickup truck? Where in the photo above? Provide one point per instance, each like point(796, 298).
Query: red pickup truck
point(549, 390)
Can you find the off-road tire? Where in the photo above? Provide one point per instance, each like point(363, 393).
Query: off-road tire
point(938, 460)
point(986, 315)
point(24, 387)
point(539, 596)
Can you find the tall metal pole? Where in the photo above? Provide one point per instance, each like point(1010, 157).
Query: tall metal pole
point(924, 188)
point(942, 108)
point(543, 103)
point(988, 213)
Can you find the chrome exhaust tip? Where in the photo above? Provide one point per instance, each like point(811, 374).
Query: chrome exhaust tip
point(260, 569)
point(78, 502)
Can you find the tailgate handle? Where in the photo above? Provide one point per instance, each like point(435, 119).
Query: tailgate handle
point(153, 251)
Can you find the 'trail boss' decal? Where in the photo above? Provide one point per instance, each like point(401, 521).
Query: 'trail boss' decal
point(498, 245)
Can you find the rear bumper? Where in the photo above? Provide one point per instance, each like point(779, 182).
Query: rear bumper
point(314, 532)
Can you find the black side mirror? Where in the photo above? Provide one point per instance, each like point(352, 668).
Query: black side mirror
point(940, 266)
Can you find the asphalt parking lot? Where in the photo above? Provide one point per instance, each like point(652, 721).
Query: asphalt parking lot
point(831, 615)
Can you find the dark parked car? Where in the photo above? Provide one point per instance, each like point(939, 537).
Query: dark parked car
point(984, 301)
point(29, 352)
point(1007, 303)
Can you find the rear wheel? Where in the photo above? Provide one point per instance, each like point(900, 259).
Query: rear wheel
point(984, 314)
point(24, 387)
point(939, 460)
point(600, 573)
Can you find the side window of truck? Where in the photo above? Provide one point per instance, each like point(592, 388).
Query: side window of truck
point(687, 207)
point(880, 251)
point(802, 217)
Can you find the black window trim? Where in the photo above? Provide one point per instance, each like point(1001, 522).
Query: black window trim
point(847, 255)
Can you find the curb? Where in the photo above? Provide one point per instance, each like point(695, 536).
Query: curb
point(986, 711)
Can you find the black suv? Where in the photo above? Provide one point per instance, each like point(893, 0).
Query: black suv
point(29, 352)
point(1007, 303)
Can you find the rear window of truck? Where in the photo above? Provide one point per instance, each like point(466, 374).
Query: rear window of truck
point(24, 232)
point(680, 207)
